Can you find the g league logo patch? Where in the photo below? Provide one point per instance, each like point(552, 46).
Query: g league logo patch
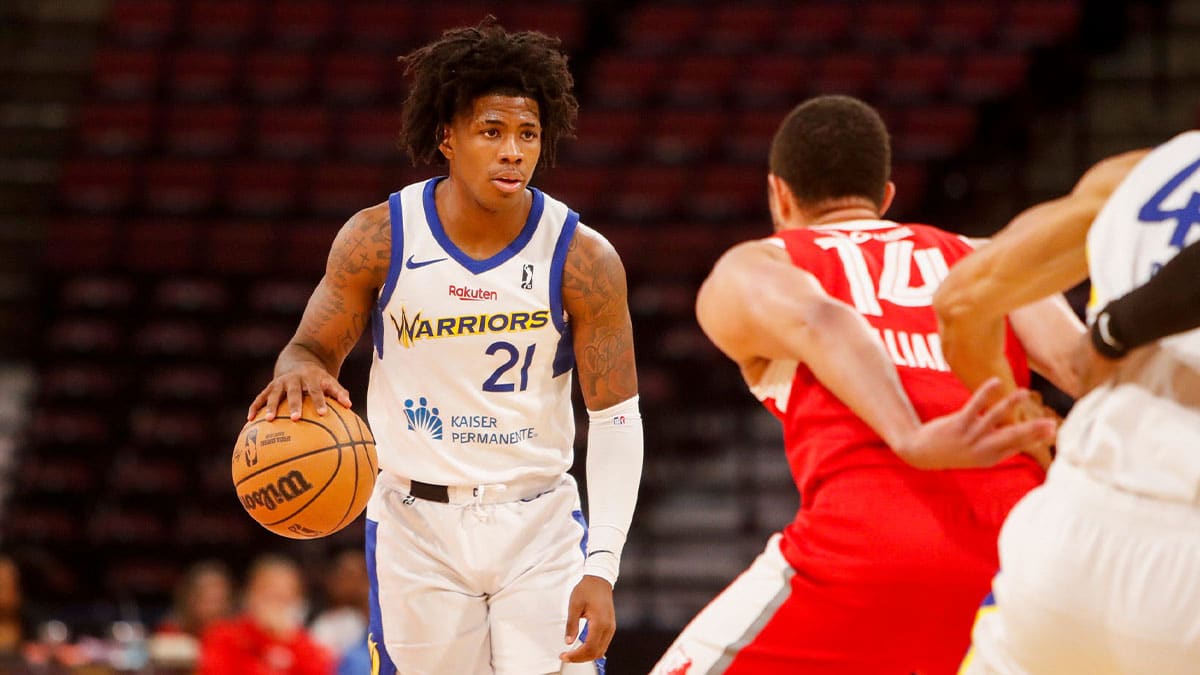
point(527, 276)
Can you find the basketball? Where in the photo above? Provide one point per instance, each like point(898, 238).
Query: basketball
point(307, 478)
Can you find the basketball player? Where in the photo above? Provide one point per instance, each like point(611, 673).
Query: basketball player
point(484, 294)
point(884, 566)
point(1100, 567)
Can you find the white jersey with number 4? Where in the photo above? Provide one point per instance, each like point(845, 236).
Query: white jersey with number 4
point(471, 379)
point(1141, 431)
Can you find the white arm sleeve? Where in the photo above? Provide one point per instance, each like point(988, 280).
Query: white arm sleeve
point(614, 470)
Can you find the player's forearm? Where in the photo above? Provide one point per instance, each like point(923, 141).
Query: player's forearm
point(614, 472)
point(974, 350)
point(838, 345)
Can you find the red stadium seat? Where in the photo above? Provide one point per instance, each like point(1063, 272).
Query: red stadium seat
point(125, 526)
point(223, 23)
point(749, 141)
point(625, 80)
point(306, 248)
point(262, 188)
point(190, 296)
point(390, 26)
point(153, 425)
point(180, 185)
point(183, 383)
point(889, 22)
point(964, 24)
point(84, 336)
point(683, 136)
point(116, 128)
point(161, 245)
point(146, 475)
point(240, 248)
point(564, 21)
point(934, 132)
point(172, 338)
point(743, 27)
point(70, 425)
point(701, 79)
point(80, 382)
point(285, 298)
point(255, 340)
point(124, 73)
point(1035, 23)
point(815, 27)
point(916, 77)
point(772, 79)
point(292, 133)
point(341, 189)
point(442, 16)
point(275, 76)
point(370, 133)
point(989, 75)
point(351, 77)
point(141, 21)
point(650, 192)
point(76, 245)
point(727, 192)
point(49, 524)
point(664, 27)
point(604, 135)
point(585, 189)
point(203, 74)
point(213, 130)
point(299, 23)
point(846, 73)
point(97, 185)
point(910, 180)
point(103, 292)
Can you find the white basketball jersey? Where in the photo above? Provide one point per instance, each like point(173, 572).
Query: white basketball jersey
point(471, 380)
point(1141, 431)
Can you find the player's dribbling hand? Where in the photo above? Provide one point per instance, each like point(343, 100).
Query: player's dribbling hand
point(308, 379)
point(979, 436)
point(592, 599)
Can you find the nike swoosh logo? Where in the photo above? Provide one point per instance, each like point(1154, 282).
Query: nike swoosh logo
point(412, 264)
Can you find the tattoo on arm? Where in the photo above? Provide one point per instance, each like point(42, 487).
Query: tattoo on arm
point(339, 309)
point(594, 293)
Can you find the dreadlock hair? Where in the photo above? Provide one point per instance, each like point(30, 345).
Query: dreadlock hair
point(466, 63)
point(831, 147)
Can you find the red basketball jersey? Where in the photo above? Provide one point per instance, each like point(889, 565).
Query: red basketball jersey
point(888, 272)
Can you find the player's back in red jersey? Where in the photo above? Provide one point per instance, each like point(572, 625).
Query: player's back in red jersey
point(889, 559)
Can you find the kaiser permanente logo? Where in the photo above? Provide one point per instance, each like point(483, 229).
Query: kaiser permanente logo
point(464, 293)
point(411, 329)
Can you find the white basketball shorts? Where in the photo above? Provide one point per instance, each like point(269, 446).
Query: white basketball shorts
point(1093, 580)
point(476, 586)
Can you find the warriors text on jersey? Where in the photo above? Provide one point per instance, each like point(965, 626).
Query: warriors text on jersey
point(1139, 431)
point(471, 380)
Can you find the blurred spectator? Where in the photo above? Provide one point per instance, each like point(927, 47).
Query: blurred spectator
point(12, 626)
point(342, 625)
point(204, 596)
point(269, 636)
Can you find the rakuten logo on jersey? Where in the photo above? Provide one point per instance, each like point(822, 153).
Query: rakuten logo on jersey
point(464, 293)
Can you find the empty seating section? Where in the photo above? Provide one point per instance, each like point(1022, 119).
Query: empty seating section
point(222, 142)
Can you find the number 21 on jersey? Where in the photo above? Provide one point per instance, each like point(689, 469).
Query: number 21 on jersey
point(895, 281)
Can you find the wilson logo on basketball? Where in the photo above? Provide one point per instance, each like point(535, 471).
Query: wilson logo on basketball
point(464, 293)
point(288, 487)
